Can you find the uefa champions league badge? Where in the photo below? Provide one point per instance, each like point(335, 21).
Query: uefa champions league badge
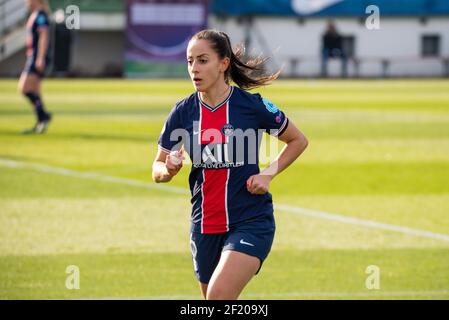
point(227, 129)
point(270, 105)
point(40, 19)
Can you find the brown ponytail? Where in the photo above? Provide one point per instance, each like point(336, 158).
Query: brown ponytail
point(247, 75)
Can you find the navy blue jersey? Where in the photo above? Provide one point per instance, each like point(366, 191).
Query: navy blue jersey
point(37, 21)
point(223, 144)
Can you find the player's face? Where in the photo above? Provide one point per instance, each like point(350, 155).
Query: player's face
point(206, 69)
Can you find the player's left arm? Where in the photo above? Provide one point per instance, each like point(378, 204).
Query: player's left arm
point(295, 144)
point(42, 47)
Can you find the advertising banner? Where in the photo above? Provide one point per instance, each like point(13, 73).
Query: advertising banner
point(157, 34)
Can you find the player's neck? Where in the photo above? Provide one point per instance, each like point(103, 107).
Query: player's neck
point(216, 95)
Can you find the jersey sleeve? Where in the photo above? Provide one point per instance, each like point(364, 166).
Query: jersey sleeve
point(273, 120)
point(170, 135)
point(42, 21)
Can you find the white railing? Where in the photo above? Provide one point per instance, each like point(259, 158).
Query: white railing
point(13, 14)
point(359, 67)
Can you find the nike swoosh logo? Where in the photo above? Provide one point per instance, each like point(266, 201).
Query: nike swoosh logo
point(246, 243)
point(196, 132)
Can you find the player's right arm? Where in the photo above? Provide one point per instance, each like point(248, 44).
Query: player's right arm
point(169, 158)
point(166, 165)
point(42, 46)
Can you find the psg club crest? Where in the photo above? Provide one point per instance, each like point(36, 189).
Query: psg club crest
point(227, 129)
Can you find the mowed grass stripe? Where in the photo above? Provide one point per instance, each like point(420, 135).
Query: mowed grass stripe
point(170, 274)
point(282, 207)
point(379, 152)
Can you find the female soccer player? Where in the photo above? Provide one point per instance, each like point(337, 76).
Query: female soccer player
point(232, 226)
point(38, 59)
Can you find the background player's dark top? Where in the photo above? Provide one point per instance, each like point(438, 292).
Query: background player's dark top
point(219, 172)
point(37, 21)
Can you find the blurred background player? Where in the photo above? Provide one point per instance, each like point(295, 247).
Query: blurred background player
point(332, 47)
point(38, 60)
point(232, 212)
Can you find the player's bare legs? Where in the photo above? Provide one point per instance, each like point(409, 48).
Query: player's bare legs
point(30, 86)
point(29, 82)
point(233, 272)
point(203, 287)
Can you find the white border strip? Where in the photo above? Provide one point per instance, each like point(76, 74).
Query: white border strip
point(375, 294)
point(183, 191)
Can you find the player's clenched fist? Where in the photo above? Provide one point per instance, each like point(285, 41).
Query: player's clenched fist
point(258, 184)
point(173, 162)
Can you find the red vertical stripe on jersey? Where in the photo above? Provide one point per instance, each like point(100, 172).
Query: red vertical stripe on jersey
point(214, 201)
point(215, 218)
point(214, 121)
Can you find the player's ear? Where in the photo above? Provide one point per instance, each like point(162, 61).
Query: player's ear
point(225, 64)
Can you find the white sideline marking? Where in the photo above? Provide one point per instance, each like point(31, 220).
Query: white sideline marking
point(300, 294)
point(91, 175)
point(362, 222)
point(282, 207)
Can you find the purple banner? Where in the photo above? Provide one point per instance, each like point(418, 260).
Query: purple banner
point(159, 30)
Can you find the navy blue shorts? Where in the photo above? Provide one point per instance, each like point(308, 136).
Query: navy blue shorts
point(253, 237)
point(30, 67)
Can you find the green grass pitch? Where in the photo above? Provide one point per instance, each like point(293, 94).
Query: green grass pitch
point(82, 193)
